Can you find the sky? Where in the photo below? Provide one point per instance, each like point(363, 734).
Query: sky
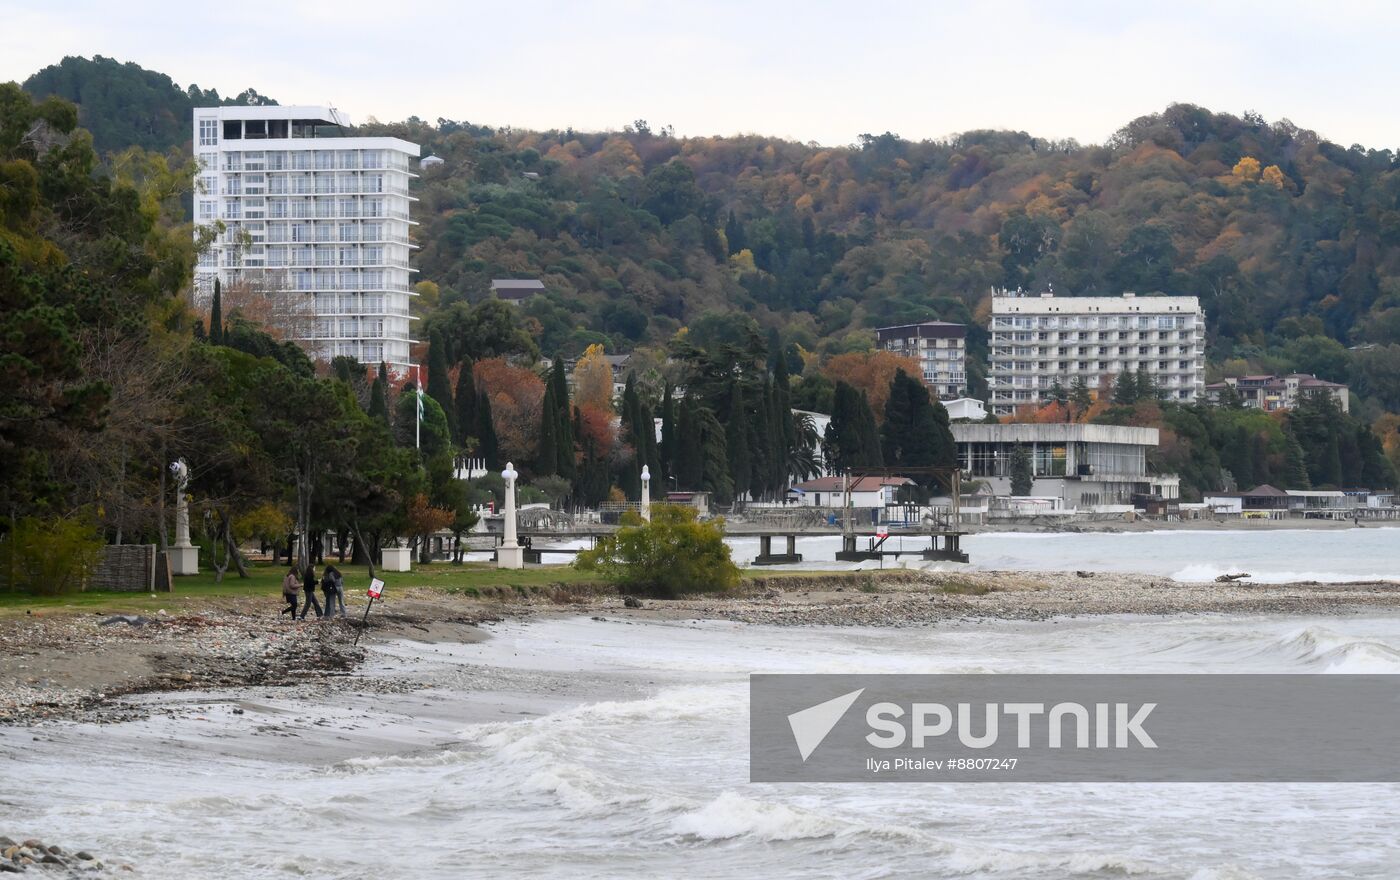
point(811, 71)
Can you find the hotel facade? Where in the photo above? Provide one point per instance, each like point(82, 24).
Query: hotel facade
point(939, 347)
point(314, 222)
point(1038, 341)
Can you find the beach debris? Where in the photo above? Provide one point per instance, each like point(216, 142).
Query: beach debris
point(1084, 574)
point(130, 619)
point(1231, 578)
point(631, 602)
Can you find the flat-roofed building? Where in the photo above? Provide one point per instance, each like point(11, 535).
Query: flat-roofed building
point(1039, 341)
point(516, 290)
point(939, 347)
point(315, 222)
point(1273, 393)
point(1086, 466)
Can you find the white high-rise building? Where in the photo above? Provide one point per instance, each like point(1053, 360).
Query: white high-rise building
point(315, 227)
point(1037, 341)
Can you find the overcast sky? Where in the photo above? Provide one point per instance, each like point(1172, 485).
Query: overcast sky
point(809, 71)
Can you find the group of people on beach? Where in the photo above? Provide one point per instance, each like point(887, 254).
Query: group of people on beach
point(295, 584)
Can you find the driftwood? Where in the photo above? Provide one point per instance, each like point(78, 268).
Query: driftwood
point(1085, 574)
point(1231, 578)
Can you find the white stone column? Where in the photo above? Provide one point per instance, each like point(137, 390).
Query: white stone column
point(646, 493)
point(510, 554)
point(184, 556)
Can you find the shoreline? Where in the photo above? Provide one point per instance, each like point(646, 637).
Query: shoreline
point(68, 666)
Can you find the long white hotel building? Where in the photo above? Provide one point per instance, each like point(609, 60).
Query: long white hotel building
point(1038, 340)
point(312, 216)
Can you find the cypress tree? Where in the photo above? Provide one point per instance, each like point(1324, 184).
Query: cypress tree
point(547, 460)
point(870, 455)
point(439, 383)
point(1260, 455)
point(216, 315)
point(1125, 388)
point(1332, 462)
point(1022, 477)
point(565, 438)
point(737, 442)
point(486, 433)
point(734, 234)
point(464, 405)
point(379, 397)
point(1079, 396)
point(668, 434)
point(688, 466)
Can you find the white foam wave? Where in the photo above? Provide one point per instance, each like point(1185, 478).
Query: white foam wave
point(1208, 571)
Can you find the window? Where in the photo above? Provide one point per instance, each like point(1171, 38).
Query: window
point(208, 132)
point(207, 209)
point(233, 129)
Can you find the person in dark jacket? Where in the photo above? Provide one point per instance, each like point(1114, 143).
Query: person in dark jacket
point(333, 585)
point(309, 590)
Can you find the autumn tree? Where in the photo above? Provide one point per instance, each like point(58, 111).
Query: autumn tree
point(593, 380)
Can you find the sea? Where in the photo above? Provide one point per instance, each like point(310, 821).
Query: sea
point(613, 748)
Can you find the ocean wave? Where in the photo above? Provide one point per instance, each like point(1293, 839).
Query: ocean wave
point(732, 815)
point(1332, 652)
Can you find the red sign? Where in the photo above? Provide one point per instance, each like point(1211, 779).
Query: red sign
point(376, 587)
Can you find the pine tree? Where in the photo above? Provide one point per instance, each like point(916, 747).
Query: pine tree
point(464, 405)
point(1242, 458)
point(1125, 388)
point(1022, 478)
point(379, 397)
point(1080, 396)
point(216, 315)
point(1058, 393)
point(1146, 387)
point(1295, 465)
point(736, 430)
point(486, 433)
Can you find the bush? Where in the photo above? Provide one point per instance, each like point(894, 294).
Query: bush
point(49, 557)
point(672, 555)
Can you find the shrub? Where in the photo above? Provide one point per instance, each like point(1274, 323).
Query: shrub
point(672, 555)
point(49, 557)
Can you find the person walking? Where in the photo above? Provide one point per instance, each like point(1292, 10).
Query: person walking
point(309, 587)
point(333, 585)
point(291, 588)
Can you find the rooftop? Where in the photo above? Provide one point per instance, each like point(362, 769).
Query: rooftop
point(516, 288)
point(1048, 303)
point(301, 113)
point(1053, 432)
point(859, 484)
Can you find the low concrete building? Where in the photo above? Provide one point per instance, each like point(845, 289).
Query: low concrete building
point(1261, 502)
point(1085, 466)
point(968, 409)
point(865, 491)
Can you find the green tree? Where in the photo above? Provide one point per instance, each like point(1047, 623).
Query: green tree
point(464, 400)
point(379, 397)
point(216, 315)
point(1022, 477)
point(737, 442)
point(672, 555)
point(440, 383)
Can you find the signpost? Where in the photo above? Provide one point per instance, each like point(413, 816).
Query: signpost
point(376, 589)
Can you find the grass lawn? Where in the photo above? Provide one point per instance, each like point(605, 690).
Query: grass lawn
point(470, 578)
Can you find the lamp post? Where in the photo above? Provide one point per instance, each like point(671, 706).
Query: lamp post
point(646, 493)
point(510, 554)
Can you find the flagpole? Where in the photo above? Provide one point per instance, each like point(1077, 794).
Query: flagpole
point(418, 406)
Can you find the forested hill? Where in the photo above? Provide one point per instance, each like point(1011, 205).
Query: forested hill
point(1292, 242)
point(125, 105)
